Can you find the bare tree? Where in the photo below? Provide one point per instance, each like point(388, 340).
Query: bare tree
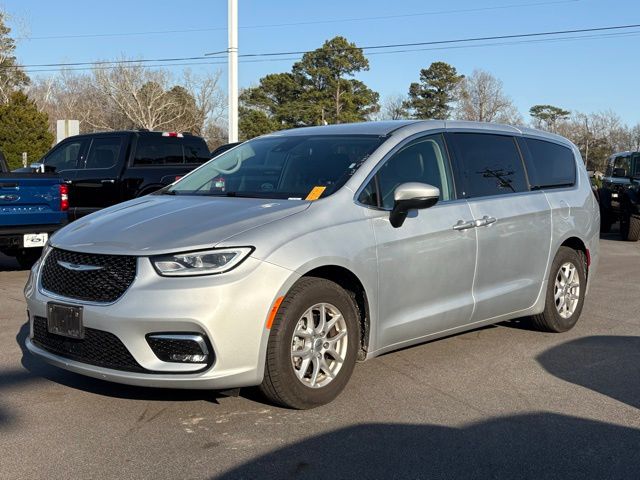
point(12, 76)
point(141, 95)
point(210, 101)
point(393, 108)
point(482, 99)
point(131, 96)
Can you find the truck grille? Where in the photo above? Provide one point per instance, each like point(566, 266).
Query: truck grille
point(104, 284)
point(98, 348)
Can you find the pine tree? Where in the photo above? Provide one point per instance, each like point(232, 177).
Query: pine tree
point(433, 95)
point(12, 77)
point(23, 129)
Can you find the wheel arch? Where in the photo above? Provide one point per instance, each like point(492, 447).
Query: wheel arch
point(354, 286)
point(578, 245)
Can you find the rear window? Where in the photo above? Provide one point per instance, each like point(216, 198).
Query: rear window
point(103, 152)
point(549, 164)
point(158, 150)
point(195, 150)
point(490, 164)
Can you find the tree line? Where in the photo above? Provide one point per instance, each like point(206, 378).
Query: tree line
point(319, 89)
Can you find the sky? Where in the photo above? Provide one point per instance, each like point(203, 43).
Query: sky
point(586, 75)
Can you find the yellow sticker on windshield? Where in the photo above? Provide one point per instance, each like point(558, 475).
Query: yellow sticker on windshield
point(315, 193)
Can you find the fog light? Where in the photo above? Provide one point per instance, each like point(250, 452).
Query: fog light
point(182, 357)
point(179, 348)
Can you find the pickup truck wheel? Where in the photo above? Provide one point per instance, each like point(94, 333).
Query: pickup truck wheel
point(633, 234)
point(312, 346)
point(565, 292)
point(27, 257)
point(624, 226)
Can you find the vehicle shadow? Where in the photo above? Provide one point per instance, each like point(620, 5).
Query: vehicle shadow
point(9, 264)
point(609, 365)
point(535, 446)
point(37, 369)
point(613, 234)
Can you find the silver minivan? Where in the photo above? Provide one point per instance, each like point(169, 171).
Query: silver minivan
point(283, 261)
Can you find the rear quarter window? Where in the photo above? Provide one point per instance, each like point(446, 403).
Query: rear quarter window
point(550, 165)
point(195, 150)
point(488, 164)
point(154, 150)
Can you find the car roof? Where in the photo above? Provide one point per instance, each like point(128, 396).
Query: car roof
point(390, 127)
point(359, 128)
point(129, 132)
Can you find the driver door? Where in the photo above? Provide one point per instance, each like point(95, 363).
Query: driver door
point(425, 267)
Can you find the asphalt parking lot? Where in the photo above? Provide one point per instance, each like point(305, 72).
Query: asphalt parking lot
point(499, 402)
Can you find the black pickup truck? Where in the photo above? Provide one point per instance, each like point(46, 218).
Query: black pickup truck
point(619, 195)
point(102, 169)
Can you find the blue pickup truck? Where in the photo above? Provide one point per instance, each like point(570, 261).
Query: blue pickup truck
point(32, 207)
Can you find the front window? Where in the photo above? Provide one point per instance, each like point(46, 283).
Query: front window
point(294, 167)
point(64, 157)
point(621, 166)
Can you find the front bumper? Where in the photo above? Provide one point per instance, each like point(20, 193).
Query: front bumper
point(12, 237)
point(229, 309)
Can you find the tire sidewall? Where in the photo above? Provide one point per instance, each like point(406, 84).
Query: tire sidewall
point(318, 291)
point(565, 255)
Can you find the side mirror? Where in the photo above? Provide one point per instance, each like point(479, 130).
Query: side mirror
point(37, 167)
point(412, 196)
point(619, 172)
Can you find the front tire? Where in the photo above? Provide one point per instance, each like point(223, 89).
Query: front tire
point(565, 292)
point(313, 345)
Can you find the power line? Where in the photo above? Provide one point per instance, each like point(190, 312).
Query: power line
point(407, 50)
point(459, 40)
point(555, 34)
point(303, 23)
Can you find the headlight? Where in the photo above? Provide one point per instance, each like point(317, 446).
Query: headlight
point(206, 262)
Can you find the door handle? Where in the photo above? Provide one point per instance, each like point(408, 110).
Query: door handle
point(108, 180)
point(484, 221)
point(462, 225)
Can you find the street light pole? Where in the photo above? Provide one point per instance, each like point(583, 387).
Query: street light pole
point(233, 70)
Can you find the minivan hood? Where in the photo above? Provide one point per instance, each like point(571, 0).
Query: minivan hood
point(160, 224)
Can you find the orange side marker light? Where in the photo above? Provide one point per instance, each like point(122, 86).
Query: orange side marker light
point(274, 311)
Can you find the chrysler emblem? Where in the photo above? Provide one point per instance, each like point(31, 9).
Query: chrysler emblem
point(78, 268)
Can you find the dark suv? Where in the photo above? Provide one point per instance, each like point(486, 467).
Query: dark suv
point(619, 195)
point(103, 169)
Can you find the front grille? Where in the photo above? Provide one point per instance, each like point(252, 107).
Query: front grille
point(97, 348)
point(104, 285)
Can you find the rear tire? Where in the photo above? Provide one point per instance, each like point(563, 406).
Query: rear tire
point(633, 234)
point(565, 292)
point(624, 226)
point(294, 339)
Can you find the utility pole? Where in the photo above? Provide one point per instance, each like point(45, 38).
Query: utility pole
point(233, 70)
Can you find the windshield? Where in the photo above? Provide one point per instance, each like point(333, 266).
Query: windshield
point(295, 167)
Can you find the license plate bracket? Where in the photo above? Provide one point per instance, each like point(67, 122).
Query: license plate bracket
point(34, 240)
point(65, 320)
